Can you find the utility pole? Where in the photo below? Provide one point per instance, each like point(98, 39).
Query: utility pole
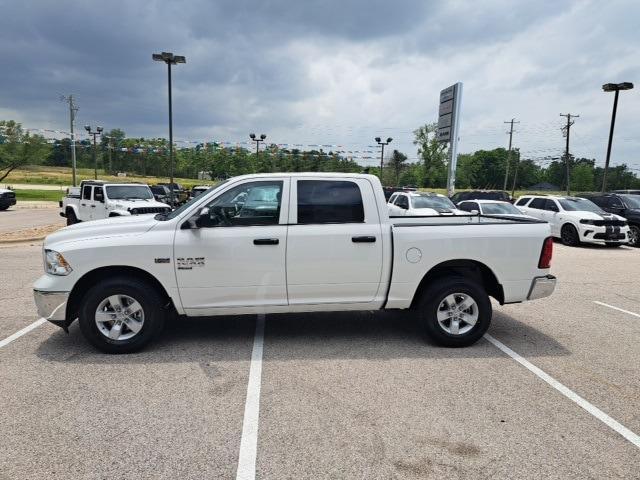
point(515, 174)
point(72, 117)
point(510, 132)
point(566, 131)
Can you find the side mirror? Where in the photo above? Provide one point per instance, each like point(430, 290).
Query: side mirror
point(474, 212)
point(204, 218)
point(404, 206)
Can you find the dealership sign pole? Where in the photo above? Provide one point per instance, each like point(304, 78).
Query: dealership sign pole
point(449, 128)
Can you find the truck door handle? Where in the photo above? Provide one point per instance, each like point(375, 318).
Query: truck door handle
point(266, 241)
point(93, 206)
point(83, 204)
point(364, 239)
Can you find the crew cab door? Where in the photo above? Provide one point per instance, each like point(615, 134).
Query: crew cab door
point(98, 208)
point(334, 245)
point(84, 205)
point(236, 256)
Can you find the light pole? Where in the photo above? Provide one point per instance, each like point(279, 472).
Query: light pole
point(382, 144)
point(612, 87)
point(94, 133)
point(252, 136)
point(170, 59)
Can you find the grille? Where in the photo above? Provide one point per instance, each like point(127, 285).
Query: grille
point(609, 223)
point(8, 195)
point(143, 210)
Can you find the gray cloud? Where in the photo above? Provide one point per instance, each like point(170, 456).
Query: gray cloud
point(327, 71)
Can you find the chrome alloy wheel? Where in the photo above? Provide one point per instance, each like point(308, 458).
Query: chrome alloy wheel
point(119, 317)
point(457, 313)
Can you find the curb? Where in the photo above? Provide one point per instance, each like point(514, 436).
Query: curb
point(22, 240)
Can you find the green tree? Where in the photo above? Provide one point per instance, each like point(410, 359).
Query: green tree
point(18, 147)
point(397, 164)
point(433, 154)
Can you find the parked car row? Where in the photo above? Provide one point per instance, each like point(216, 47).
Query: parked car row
point(609, 218)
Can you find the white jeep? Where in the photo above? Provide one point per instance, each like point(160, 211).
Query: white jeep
point(97, 200)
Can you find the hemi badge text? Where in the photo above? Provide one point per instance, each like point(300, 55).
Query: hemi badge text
point(162, 260)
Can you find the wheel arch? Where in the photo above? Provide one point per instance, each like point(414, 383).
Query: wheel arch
point(472, 269)
point(91, 278)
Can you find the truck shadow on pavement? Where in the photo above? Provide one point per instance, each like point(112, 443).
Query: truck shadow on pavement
point(339, 335)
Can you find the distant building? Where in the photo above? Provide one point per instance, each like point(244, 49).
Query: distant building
point(544, 187)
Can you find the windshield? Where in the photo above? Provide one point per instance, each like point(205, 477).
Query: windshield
point(431, 202)
point(500, 209)
point(178, 211)
point(129, 192)
point(632, 201)
point(579, 205)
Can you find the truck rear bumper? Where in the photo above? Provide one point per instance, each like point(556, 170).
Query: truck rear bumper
point(51, 306)
point(542, 287)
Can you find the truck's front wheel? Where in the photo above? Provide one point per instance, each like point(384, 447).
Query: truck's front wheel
point(121, 315)
point(71, 217)
point(455, 311)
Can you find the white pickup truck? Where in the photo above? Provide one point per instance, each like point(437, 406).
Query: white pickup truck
point(300, 242)
point(95, 200)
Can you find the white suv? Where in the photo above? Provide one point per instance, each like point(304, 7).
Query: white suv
point(576, 220)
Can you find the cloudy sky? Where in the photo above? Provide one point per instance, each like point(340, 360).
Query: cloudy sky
point(329, 72)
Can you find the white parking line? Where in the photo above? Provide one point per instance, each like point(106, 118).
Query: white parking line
point(570, 394)
point(20, 333)
point(616, 308)
point(249, 439)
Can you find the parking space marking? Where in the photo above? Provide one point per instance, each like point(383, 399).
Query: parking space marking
point(20, 333)
point(249, 439)
point(570, 394)
point(617, 308)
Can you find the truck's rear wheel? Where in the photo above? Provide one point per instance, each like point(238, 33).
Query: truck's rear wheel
point(71, 217)
point(455, 311)
point(121, 315)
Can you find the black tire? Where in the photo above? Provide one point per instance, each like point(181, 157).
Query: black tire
point(3, 207)
point(634, 235)
point(71, 217)
point(430, 303)
point(150, 300)
point(569, 235)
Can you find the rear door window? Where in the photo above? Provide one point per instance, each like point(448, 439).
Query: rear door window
point(523, 201)
point(538, 203)
point(329, 201)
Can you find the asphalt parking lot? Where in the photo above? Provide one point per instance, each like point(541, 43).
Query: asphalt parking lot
point(349, 395)
point(16, 218)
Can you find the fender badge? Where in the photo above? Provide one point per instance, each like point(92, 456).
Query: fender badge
point(162, 260)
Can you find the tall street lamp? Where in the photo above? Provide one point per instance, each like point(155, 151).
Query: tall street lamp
point(170, 59)
point(612, 87)
point(382, 144)
point(252, 136)
point(94, 133)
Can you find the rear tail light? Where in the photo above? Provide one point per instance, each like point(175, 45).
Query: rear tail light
point(546, 253)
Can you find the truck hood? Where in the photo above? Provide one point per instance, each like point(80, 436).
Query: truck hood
point(597, 216)
point(435, 211)
point(109, 227)
point(128, 204)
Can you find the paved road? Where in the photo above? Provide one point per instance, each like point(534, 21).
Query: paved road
point(18, 219)
point(356, 395)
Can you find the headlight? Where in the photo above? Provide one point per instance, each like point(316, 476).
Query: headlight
point(588, 222)
point(55, 263)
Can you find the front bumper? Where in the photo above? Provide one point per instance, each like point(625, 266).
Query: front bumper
point(51, 306)
point(542, 287)
point(599, 234)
